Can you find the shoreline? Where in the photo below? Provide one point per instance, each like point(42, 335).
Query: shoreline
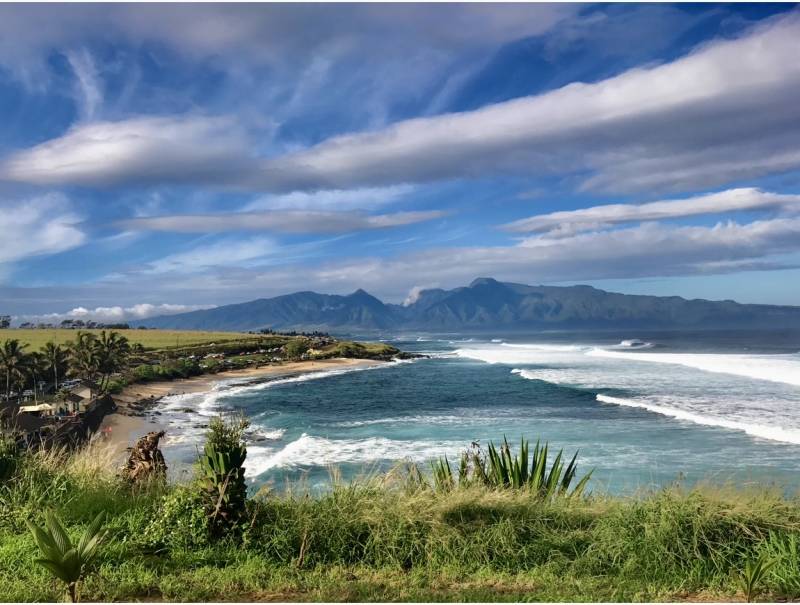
point(136, 404)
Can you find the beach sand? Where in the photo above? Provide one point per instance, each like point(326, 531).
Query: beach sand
point(121, 429)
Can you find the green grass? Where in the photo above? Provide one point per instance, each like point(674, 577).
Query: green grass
point(379, 539)
point(150, 339)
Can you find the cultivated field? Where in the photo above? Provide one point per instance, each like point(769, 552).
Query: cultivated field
point(150, 339)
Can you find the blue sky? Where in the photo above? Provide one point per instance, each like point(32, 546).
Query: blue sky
point(157, 158)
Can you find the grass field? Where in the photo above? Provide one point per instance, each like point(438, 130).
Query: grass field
point(150, 339)
point(379, 541)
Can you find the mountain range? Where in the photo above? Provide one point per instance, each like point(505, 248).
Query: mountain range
point(486, 304)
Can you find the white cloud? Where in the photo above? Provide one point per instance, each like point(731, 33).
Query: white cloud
point(730, 99)
point(413, 296)
point(281, 221)
point(36, 226)
point(115, 314)
point(646, 250)
point(336, 199)
point(697, 121)
point(267, 33)
point(185, 149)
point(733, 200)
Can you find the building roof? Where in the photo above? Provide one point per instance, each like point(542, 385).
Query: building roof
point(42, 407)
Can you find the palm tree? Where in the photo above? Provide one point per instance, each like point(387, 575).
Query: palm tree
point(36, 367)
point(84, 362)
point(112, 351)
point(13, 361)
point(56, 359)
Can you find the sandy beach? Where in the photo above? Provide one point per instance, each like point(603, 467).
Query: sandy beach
point(121, 429)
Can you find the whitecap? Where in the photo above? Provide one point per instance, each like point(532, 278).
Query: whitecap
point(774, 368)
point(309, 450)
point(772, 433)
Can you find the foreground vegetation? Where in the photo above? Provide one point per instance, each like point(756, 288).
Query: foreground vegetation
point(399, 536)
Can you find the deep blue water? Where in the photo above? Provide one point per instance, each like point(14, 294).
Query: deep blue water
point(717, 406)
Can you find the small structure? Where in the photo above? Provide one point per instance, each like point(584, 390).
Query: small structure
point(80, 397)
point(72, 403)
point(42, 409)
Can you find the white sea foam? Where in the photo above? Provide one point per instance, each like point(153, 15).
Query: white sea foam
point(309, 450)
point(772, 433)
point(517, 354)
point(633, 343)
point(265, 433)
point(775, 368)
point(465, 419)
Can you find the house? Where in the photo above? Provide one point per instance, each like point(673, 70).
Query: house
point(72, 403)
point(80, 397)
point(86, 389)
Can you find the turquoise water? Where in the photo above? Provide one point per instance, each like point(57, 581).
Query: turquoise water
point(644, 409)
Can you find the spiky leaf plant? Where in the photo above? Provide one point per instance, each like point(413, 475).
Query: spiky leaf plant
point(500, 469)
point(64, 560)
point(751, 578)
point(222, 473)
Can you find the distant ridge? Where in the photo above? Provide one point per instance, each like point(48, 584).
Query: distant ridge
point(484, 304)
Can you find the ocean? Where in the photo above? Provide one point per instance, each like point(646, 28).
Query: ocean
point(644, 409)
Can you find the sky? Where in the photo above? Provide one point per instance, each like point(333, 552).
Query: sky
point(158, 158)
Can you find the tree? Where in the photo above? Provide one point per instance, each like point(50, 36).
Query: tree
point(84, 362)
point(5, 321)
point(112, 352)
point(56, 360)
point(295, 348)
point(13, 361)
point(36, 367)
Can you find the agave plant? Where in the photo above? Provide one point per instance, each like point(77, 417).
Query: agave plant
point(222, 473)
point(64, 560)
point(501, 469)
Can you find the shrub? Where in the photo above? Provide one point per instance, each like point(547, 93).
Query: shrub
point(181, 521)
point(9, 457)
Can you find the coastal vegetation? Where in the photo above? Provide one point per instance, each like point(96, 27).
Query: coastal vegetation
point(106, 361)
point(391, 536)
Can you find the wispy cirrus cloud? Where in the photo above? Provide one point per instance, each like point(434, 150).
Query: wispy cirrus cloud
point(734, 100)
point(596, 217)
point(332, 199)
point(279, 221)
point(40, 225)
point(224, 253)
point(89, 92)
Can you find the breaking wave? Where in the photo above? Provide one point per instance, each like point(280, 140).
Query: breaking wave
point(308, 450)
point(757, 430)
point(775, 368)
